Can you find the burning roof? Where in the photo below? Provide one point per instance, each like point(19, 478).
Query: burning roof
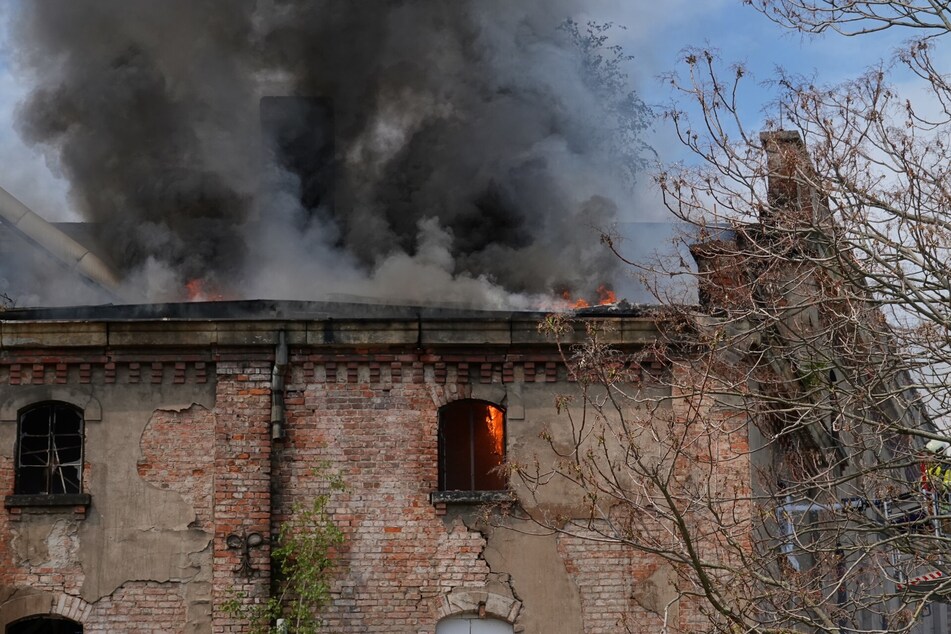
point(483, 179)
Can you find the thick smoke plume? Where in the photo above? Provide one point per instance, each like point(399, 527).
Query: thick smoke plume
point(466, 150)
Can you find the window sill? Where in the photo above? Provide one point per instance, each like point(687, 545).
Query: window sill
point(40, 500)
point(471, 497)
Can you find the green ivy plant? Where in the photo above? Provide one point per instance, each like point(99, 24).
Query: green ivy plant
point(303, 567)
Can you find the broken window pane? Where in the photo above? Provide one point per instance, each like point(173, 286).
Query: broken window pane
point(49, 450)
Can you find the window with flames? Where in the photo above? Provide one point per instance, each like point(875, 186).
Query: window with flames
point(471, 447)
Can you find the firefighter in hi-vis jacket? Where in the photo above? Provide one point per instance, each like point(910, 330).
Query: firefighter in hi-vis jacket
point(936, 478)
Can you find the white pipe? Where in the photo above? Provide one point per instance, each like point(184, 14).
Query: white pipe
point(57, 243)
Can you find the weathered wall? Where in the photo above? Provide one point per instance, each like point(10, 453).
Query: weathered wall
point(374, 421)
point(242, 485)
point(402, 555)
point(179, 456)
point(143, 545)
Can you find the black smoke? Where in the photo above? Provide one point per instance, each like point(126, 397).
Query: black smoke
point(473, 152)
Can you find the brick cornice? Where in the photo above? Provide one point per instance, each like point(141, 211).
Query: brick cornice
point(322, 364)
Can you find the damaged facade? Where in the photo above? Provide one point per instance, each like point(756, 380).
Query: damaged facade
point(180, 452)
point(150, 454)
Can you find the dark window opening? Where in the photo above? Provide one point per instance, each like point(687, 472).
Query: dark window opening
point(45, 625)
point(49, 450)
point(471, 447)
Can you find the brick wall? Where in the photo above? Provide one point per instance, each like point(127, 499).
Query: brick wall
point(399, 557)
point(51, 565)
point(605, 575)
point(41, 565)
point(8, 569)
point(242, 484)
point(372, 419)
point(140, 607)
point(178, 453)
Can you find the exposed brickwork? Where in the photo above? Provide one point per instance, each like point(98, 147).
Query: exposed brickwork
point(242, 484)
point(55, 570)
point(139, 607)
point(8, 570)
point(71, 607)
point(372, 416)
point(399, 555)
point(605, 575)
point(55, 573)
point(716, 453)
point(425, 367)
point(178, 453)
point(44, 368)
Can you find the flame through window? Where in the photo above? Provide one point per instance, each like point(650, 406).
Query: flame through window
point(471, 447)
point(49, 450)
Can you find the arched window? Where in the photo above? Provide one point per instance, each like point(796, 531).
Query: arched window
point(45, 625)
point(472, 624)
point(49, 452)
point(471, 447)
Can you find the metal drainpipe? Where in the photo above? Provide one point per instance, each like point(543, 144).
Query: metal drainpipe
point(277, 388)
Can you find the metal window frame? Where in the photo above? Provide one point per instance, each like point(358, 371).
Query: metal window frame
point(52, 465)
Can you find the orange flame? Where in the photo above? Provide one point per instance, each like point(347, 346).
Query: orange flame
point(495, 422)
point(606, 295)
point(195, 291)
point(574, 303)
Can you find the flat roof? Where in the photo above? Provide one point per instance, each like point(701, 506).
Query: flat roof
point(335, 324)
point(263, 309)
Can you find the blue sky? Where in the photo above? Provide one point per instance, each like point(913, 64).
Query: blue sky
point(656, 31)
point(659, 31)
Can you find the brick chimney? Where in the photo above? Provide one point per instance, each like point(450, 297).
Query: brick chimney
point(791, 188)
point(728, 271)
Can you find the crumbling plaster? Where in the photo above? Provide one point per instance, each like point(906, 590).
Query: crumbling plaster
point(133, 530)
point(658, 594)
point(533, 570)
point(57, 549)
point(539, 427)
point(534, 573)
point(530, 570)
point(387, 512)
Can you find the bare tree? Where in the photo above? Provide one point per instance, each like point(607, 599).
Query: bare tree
point(782, 446)
point(858, 17)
